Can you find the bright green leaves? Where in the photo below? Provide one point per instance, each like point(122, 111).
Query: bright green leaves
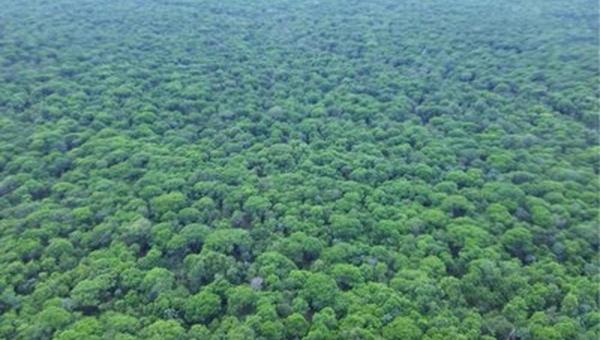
point(320, 291)
point(171, 202)
point(402, 328)
point(202, 307)
point(91, 293)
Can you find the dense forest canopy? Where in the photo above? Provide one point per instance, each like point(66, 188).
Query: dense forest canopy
point(297, 169)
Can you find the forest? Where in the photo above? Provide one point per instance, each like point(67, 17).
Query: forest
point(299, 169)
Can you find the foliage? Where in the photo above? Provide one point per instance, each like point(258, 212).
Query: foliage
point(299, 169)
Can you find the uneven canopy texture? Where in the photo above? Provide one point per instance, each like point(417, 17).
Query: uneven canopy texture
point(299, 169)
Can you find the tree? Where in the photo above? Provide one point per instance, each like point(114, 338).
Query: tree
point(320, 291)
point(257, 206)
point(163, 329)
point(89, 294)
point(295, 326)
point(300, 248)
point(87, 327)
point(118, 323)
point(241, 300)
point(202, 307)
point(457, 206)
point(164, 203)
point(344, 227)
point(367, 170)
point(402, 328)
point(541, 216)
point(203, 268)
point(234, 242)
point(518, 242)
point(54, 317)
point(347, 276)
point(156, 281)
